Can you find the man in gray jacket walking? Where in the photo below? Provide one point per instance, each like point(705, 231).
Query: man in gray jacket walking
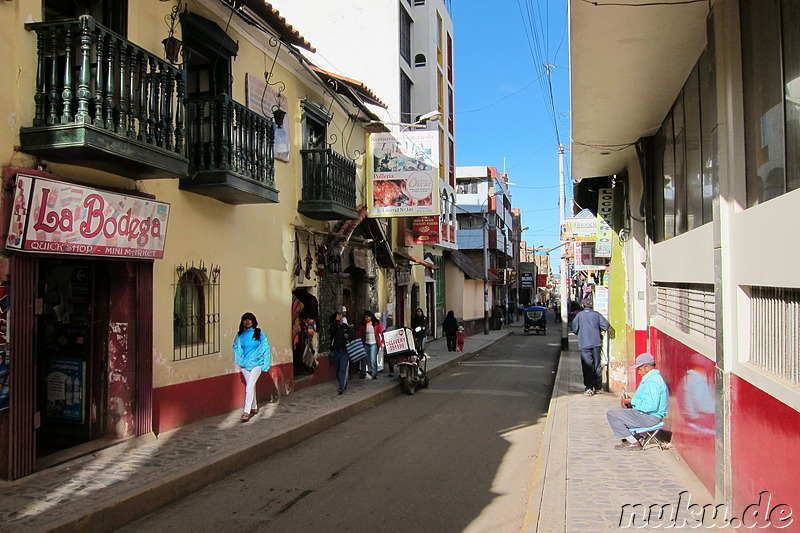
point(587, 325)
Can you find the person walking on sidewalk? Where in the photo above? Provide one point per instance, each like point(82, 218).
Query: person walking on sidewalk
point(588, 325)
point(251, 352)
point(449, 327)
point(461, 338)
point(371, 334)
point(340, 336)
point(647, 408)
point(419, 325)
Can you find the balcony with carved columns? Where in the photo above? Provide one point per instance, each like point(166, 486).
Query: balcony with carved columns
point(103, 102)
point(231, 152)
point(329, 186)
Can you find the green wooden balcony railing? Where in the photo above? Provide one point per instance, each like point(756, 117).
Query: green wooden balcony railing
point(92, 78)
point(224, 135)
point(329, 185)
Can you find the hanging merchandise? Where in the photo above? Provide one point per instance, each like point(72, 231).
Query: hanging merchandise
point(309, 260)
point(298, 267)
point(322, 256)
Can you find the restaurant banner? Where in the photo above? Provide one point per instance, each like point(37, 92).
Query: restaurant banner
point(405, 174)
point(426, 230)
point(55, 217)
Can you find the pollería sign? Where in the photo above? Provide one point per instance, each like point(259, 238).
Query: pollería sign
point(63, 218)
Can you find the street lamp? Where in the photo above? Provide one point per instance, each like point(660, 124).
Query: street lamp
point(420, 123)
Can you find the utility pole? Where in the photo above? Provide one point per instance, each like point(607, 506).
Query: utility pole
point(484, 213)
point(561, 206)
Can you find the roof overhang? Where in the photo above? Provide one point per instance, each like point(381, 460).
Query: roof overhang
point(627, 66)
point(469, 267)
point(414, 259)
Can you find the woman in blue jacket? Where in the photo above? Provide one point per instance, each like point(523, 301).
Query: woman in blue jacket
point(252, 353)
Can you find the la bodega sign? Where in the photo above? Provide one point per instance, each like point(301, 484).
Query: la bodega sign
point(62, 218)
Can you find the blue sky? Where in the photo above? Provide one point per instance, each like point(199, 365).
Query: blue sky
point(503, 104)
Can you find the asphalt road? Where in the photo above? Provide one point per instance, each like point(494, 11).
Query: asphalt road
point(458, 456)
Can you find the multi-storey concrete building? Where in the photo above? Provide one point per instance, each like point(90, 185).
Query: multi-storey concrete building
point(403, 50)
point(685, 130)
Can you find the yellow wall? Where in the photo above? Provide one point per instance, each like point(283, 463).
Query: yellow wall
point(252, 244)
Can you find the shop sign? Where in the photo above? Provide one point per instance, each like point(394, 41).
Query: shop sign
point(605, 205)
point(585, 258)
point(601, 300)
point(581, 227)
point(526, 279)
point(404, 174)
point(425, 229)
point(541, 280)
point(62, 218)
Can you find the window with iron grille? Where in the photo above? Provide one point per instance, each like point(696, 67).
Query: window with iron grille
point(690, 308)
point(405, 35)
point(196, 311)
point(775, 331)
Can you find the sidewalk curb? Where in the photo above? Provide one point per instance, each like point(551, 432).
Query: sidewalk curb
point(536, 504)
point(146, 498)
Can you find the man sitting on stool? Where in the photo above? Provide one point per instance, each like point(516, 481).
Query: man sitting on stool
point(646, 409)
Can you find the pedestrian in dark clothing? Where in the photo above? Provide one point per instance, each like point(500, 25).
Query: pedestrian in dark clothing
point(587, 325)
point(450, 327)
point(341, 334)
point(419, 325)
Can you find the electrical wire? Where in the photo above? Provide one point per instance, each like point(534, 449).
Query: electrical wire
point(645, 4)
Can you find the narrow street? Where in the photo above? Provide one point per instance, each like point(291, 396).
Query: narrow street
point(458, 456)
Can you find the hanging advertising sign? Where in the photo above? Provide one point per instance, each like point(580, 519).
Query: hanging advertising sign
point(585, 259)
point(425, 230)
point(405, 174)
point(605, 205)
point(541, 280)
point(581, 227)
point(55, 217)
point(601, 300)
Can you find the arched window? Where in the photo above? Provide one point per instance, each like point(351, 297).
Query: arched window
point(419, 60)
point(190, 308)
point(195, 325)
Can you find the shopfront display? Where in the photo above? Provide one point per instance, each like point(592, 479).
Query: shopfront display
point(80, 317)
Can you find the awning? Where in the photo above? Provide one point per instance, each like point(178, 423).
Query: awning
point(383, 251)
point(417, 260)
point(469, 267)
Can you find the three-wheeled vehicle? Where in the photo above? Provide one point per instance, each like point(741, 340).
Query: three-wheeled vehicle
point(536, 319)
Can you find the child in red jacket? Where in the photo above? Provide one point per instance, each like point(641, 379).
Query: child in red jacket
point(461, 336)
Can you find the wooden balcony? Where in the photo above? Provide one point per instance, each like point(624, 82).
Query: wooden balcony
point(329, 186)
point(231, 152)
point(103, 102)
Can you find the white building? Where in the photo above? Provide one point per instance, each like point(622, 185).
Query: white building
point(402, 50)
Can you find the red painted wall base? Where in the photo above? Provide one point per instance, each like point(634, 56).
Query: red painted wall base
point(764, 444)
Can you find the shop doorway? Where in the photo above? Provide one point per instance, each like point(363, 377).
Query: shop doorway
point(72, 316)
